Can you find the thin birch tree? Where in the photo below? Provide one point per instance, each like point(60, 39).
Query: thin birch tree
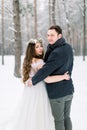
point(49, 5)
point(35, 16)
point(53, 12)
point(67, 23)
point(2, 22)
point(84, 30)
point(17, 38)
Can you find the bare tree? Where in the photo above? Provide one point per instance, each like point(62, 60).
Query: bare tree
point(84, 30)
point(49, 4)
point(67, 23)
point(57, 11)
point(53, 12)
point(17, 35)
point(27, 19)
point(35, 12)
point(83, 12)
point(2, 47)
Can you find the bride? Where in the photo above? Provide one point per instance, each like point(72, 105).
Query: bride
point(34, 110)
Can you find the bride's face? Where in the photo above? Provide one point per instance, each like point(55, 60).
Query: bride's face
point(38, 48)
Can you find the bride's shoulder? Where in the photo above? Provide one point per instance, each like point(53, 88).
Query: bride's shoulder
point(39, 60)
point(36, 61)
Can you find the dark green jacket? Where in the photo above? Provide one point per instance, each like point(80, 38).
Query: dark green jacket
point(58, 59)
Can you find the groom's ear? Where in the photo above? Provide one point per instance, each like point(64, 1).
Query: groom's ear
point(59, 36)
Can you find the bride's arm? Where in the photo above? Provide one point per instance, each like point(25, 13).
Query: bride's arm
point(57, 78)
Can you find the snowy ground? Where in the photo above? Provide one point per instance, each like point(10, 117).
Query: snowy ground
point(11, 89)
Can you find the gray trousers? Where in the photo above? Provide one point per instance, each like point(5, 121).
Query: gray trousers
point(61, 112)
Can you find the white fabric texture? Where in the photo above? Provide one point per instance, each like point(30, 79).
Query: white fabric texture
point(34, 110)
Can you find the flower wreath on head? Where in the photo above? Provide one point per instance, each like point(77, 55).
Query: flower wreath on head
point(33, 41)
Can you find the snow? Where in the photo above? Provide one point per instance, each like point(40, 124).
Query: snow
point(11, 89)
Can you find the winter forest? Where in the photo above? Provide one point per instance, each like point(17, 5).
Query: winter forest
point(25, 19)
point(21, 20)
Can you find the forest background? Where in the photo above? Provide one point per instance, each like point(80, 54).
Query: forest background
point(21, 20)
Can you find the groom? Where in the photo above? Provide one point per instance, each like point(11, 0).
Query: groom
point(58, 59)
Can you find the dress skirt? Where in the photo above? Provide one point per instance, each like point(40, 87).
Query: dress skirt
point(33, 111)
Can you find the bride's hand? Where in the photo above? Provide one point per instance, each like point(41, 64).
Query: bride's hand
point(40, 66)
point(66, 76)
point(28, 82)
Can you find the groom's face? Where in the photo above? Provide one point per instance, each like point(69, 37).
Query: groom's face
point(53, 36)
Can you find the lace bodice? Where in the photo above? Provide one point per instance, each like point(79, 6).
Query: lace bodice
point(34, 67)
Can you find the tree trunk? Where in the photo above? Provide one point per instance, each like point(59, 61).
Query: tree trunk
point(49, 4)
point(27, 21)
point(84, 31)
point(67, 23)
point(17, 40)
point(2, 45)
point(53, 12)
point(35, 12)
point(58, 12)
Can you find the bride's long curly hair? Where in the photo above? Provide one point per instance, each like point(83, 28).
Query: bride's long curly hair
point(29, 55)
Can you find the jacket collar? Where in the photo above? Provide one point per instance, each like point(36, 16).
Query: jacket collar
point(60, 42)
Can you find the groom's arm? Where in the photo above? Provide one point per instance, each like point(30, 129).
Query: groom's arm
point(51, 65)
point(41, 74)
point(46, 70)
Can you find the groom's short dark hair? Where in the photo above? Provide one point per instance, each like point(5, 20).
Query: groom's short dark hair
point(56, 28)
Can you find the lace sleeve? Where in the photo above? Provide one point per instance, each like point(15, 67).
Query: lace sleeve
point(40, 64)
point(35, 66)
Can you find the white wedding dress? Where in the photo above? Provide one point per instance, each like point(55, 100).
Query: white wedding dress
point(34, 110)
